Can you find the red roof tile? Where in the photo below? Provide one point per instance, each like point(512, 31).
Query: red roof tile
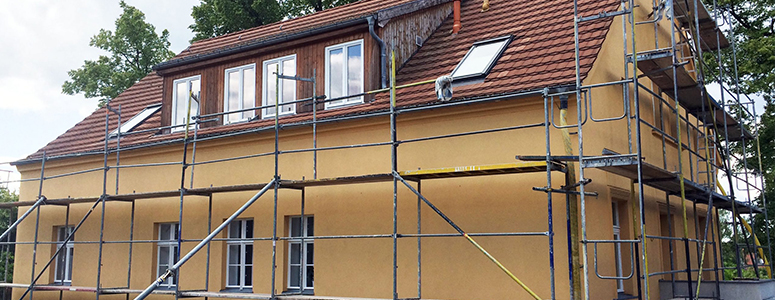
point(540, 55)
point(335, 15)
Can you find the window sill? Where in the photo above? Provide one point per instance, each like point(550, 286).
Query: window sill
point(62, 283)
point(238, 121)
point(246, 290)
point(296, 291)
point(282, 114)
point(346, 104)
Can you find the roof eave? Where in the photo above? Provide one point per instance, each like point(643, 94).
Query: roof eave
point(259, 44)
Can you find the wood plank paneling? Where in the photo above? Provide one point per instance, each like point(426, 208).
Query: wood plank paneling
point(310, 55)
point(401, 33)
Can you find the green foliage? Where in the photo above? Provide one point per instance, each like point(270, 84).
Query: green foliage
point(751, 25)
point(7, 251)
point(297, 8)
point(754, 32)
point(134, 49)
point(218, 17)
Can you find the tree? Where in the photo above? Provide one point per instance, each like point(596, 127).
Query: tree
point(297, 8)
point(7, 251)
point(752, 25)
point(218, 17)
point(134, 49)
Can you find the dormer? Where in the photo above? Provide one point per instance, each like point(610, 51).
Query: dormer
point(343, 50)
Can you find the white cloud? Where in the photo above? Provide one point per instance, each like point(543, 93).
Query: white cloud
point(43, 39)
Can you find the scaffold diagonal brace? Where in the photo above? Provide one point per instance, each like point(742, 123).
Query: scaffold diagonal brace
point(458, 229)
point(172, 270)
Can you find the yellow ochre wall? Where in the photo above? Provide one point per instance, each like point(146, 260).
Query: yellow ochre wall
point(451, 267)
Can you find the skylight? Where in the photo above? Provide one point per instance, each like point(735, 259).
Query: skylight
point(480, 59)
point(137, 119)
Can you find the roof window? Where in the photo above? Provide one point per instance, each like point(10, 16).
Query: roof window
point(480, 59)
point(137, 120)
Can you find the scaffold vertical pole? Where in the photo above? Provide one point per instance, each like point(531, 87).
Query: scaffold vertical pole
point(394, 168)
point(549, 169)
point(276, 155)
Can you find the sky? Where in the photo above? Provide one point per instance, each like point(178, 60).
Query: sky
point(42, 40)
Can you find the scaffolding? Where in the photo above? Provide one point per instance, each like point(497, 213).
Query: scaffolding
point(676, 90)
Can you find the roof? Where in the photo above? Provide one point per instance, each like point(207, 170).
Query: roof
point(541, 55)
point(326, 18)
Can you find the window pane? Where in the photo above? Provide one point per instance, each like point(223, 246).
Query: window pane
point(249, 92)
point(310, 226)
point(195, 88)
point(271, 87)
point(161, 270)
point(249, 229)
point(233, 101)
point(164, 255)
point(181, 103)
point(479, 59)
point(289, 86)
point(70, 255)
point(174, 254)
point(234, 255)
point(354, 65)
point(233, 275)
point(310, 276)
point(60, 267)
point(295, 226)
point(310, 251)
point(61, 234)
point(295, 276)
point(235, 229)
point(164, 232)
point(248, 276)
point(175, 230)
point(295, 253)
point(336, 69)
point(249, 254)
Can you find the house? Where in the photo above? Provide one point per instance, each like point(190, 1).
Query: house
point(314, 152)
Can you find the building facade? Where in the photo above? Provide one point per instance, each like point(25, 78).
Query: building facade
point(214, 126)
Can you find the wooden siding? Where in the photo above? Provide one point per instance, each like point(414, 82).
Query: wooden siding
point(400, 33)
point(310, 55)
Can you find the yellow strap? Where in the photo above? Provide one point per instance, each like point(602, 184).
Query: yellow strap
point(527, 289)
point(755, 239)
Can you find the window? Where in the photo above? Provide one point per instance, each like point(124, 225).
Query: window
point(617, 246)
point(287, 89)
point(480, 59)
point(183, 90)
point(239, 269)
point(344, 73)
point(167, 251)
point(240, 93)
point(64, 261)
point(137, 120)
point(300, 254)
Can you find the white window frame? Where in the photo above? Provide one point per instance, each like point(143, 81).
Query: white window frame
point(265, 84)
point(617, 246)
point(136, 120)
point(303, 250)
point(66, 252)
point(170, 242)
point(226, 108)
point(175, 102)
point(505, 40)
point(242, 242)
point(345, 66)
